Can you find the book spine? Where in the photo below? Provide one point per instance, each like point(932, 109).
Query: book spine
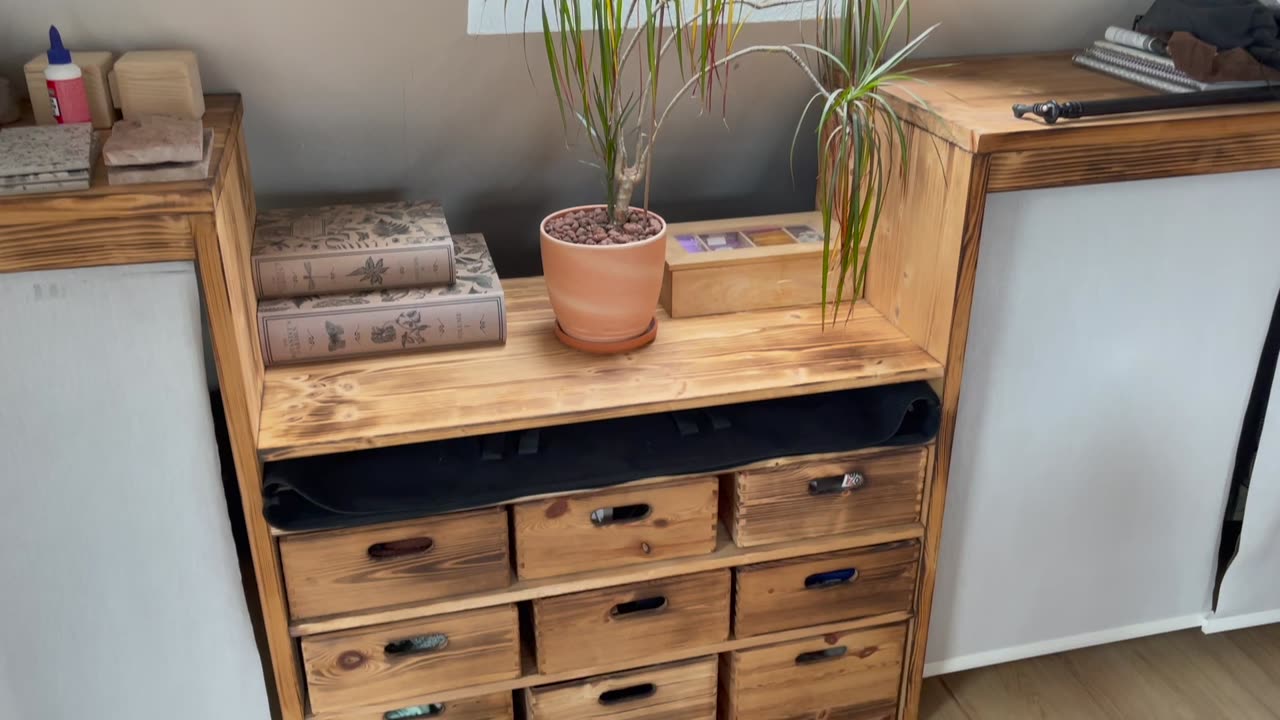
point(1128, 75)
point(1134, 39)
point(336, 333)
point(325, 273)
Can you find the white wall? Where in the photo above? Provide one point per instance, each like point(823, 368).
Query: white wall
point(392, 96)
point(1114, 338)
point(121, 596)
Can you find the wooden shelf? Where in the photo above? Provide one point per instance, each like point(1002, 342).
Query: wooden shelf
point(531, 677)
point(534, 381)
point(726, 555)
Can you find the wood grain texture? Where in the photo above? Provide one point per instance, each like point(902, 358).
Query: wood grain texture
point(860, 671)
point(913, 277)
point(774, 596)
point(52, 246)
point(341, 571)
point(559, 537)
point(591, 628)
point(776, 505)
point(104, 201)
point(727, 554)
point(969, 103)
point(362, 667)
point(494, 706)
point(680, 691)
point(241, 401)
point(939, 704)
point(966, 276)
point(532, 678)
point(535, 381)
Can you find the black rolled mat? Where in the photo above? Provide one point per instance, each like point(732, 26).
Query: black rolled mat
point(370, 486)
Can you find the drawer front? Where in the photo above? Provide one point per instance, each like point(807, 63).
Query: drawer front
point(631, 622)
point(340, 571)
point(797, 500)
point(378, 665)
point(497, 706)
point(565, 535)
point(678, 691)
point(836, 675)
point(825, 588)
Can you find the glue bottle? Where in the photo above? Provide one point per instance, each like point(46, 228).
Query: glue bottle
point(66, 84)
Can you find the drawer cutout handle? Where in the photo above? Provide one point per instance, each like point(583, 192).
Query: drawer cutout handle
point(628, 694)
point(429, 710)
point(830, 578)
point(839, 485)
point(817, 656)
point(602, 517)
point(639, 608)
point(401, 548)
point(417, 645)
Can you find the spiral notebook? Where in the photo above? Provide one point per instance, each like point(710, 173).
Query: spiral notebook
point(1148, 69)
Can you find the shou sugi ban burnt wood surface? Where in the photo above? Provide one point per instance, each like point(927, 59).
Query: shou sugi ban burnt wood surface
point(343, 571)
point(493, 706)
point(631, 621)
point(678, 691)
point(788, 594)
point(117, 202)
point(535, 381)
point(781, 503)
point(386, 663)
point(578, 533)
point(54, 246)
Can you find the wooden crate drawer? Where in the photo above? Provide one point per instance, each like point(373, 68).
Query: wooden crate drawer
point(609, 528)
point(341, 571)
point(631, 622)
point(855, 674)
point(678, 691)
point(796, 500)
point(378, 665)
point(495, 706)
point(825, 588)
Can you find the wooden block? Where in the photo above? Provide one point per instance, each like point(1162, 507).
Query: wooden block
point(677, 691)
point(95, 67)
point(795, 500)
point(381, 664)
point(851, 675)
point(631, 621)
point(164, 172)
point(722, 266)
point(611, 528)
point(342, 571)
point(820, 589)
point(159, 82)
point(494, 706)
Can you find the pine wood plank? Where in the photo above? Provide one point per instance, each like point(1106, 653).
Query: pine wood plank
point(494, 706)
point(680, 691)
point(535, 381)
point(1044, 688)
point(726, 555)
point(532, 678)
point(969, 102)
point(52, 246)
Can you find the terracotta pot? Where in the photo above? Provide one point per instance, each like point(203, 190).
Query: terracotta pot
point(603, 294)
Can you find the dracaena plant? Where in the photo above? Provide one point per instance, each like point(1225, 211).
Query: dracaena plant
point(606, 58)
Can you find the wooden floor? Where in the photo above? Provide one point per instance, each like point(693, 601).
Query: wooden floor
point(1183, 675)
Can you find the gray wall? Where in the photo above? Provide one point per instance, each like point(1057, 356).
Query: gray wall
point(391, 97)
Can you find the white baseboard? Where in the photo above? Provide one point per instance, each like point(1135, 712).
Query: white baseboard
point(1054, 645)
point(1236, 622)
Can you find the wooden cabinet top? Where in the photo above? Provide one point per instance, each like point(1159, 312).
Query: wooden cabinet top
point(968, 101)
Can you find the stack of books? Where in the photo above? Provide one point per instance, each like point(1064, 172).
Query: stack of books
point(47, 158)
point(350, 280)
point(1143, 60)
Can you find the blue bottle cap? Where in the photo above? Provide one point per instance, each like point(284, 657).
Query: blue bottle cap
point(58, 55)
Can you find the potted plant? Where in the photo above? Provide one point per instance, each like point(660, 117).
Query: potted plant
point(603, 263)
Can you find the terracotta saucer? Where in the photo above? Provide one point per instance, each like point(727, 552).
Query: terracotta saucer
point(609, 348)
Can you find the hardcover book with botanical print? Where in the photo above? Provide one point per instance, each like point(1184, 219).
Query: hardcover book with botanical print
point(318, 327)
point(315, 251)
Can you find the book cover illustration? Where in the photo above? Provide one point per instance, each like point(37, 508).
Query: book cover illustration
point(319, 327)
point(299, 252)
